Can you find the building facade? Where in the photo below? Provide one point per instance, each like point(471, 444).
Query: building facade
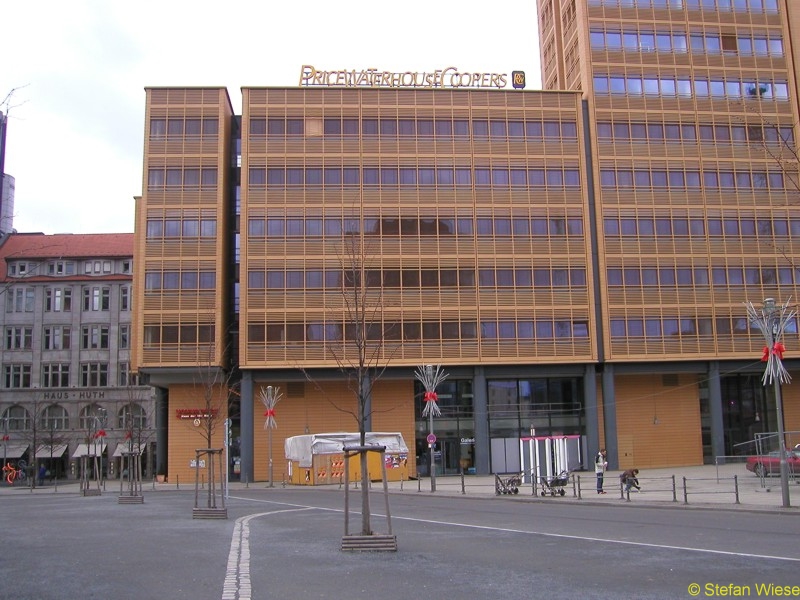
point(67, 387)
point(577, 258)
point(694, 106)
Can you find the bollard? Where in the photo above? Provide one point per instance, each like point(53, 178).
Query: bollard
point(419, 483)
point(401, 482)
point(674, 491)
point(736, 487)
point(685, 492)
point(463, 491)
point(579, 487)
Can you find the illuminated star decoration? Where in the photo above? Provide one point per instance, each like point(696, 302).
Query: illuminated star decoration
point(430, 377)
point(772, 327)
point(269, 402)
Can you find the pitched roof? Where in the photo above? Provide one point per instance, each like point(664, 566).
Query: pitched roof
point(38, 246)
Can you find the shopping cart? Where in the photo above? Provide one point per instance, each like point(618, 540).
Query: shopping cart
point(507, 484)
point(554, 485)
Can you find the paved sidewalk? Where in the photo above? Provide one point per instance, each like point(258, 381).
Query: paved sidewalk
point(702, 486)
point(705, 486)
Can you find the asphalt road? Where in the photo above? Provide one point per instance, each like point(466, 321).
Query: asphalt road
point(285, 543)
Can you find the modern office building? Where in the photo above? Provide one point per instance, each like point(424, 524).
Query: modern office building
point(694, 108)
point(577, 259)
point(67, 388)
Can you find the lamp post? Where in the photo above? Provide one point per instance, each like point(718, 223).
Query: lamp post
point(430, 377)
point(772, 321)
point(270, 396)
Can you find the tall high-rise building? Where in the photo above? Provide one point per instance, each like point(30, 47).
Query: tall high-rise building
point(694, 107)
point(577, 258)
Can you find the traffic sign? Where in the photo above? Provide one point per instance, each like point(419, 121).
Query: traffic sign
point(431, 438)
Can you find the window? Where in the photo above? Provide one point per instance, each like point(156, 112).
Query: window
point(17, 376)
point(132, 417)
point(58, 300)
point(54, 418)
point(17, 418)
point(96, 298)
point(94, 374)
point(55, 375)
point(94, 337)
point(124, 298)
point(19, 338)
point(20, 300)
point(57, 337)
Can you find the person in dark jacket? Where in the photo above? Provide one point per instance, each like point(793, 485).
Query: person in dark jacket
point(630, 479)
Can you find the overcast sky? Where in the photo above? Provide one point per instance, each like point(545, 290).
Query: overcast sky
point(79, 69)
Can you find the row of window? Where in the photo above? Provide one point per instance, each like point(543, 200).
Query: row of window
point(753, 6)
point(412, 226)
point(92, 374)
point(336, 279)
point(642, 41)
point(665, 327)
point(22, 299)
point(180, 280)
point(186, 228)
point(411, 331)
point(183, 126)
point(443, 177)
point(688, 88)
point(700, 227)
point(444, 129)
point(62, 268)
point(56, 417)
point(58, 337)
point(191, 177)
point(679, 178)
point(178, 334)
point(691, 132)
point(687, 276)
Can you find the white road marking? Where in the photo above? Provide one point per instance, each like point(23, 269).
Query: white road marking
point(237, 584)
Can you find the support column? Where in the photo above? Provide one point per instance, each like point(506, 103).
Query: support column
point(610, 417)
point(162, 416)
point(715, 408)
point(480, 408)
point(246, 428)
point(591, 415)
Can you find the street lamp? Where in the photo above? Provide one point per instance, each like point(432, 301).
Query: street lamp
point(772, 321)
point(430, 377)
point(270, 397)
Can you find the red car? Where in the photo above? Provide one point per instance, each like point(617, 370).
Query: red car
point(770, 464)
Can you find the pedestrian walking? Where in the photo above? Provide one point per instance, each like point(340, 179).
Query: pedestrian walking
point(600, 466)
point(42, 474)
point(630, 479)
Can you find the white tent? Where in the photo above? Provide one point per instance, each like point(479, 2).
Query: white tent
point(302, 448)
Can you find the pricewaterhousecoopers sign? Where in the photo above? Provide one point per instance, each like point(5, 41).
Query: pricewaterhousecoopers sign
point(449, 77)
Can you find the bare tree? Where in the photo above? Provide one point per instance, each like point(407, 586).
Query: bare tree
point(136, 423)
point(215, 384)
point(363, 354)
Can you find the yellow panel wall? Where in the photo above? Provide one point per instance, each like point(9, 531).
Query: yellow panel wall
point(326, 407)
point(657, 425)
point(185, 437)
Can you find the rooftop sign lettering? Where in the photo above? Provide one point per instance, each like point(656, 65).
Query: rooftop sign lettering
point(449, 77)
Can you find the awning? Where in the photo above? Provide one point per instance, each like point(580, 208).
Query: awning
point(13, 450)
point(125, 447)
point(89, 449)
point(57, 451)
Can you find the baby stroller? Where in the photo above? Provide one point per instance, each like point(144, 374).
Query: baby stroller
point(507, 485)
point(554, 486)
